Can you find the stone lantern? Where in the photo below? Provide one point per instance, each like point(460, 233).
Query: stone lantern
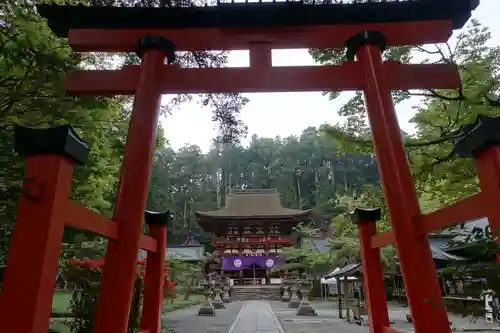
point(305, 307)
point(294, 299)
point(218, 302)
point(207, 308)
point(226, 297)
point(286, 285)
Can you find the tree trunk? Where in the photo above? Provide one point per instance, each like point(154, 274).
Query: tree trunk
point(299, 195)
point(185, 210)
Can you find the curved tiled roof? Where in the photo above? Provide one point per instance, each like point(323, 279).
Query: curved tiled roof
point(253, 204)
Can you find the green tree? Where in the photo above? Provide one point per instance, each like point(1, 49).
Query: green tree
point(32, 63)
point(440, 175)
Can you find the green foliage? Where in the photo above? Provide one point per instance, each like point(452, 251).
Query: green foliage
point(185, 274)
point(441, 176)
point(182, 303)
point(306, 170)
point(32, 67)
point(344, 243)
point(32, 64)
point(86, 282)
point(84, 298)
point(305, 258)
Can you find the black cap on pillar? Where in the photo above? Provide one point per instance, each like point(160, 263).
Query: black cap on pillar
point(61, 140)
point(360, 215)
point(156, 43)
point(367, 37)
point(157, 218)
point(483, 133)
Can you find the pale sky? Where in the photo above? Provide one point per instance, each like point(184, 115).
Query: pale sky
point(284, 114)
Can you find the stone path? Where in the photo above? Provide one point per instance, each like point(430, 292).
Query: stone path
point(256, 317)
point(327, 321)
point(276, 317)
point(188, 321)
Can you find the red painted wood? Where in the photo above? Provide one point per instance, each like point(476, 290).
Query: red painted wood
point(154, 281)
point(121, 256)
point(260, 55)
point(373, 278)
point(252, 241)
point(82, 218)
point(461, 211)
point(79, 217)
point(148, 243)
point(419, 273)
point(261, 79)
point(30, 276)
point(488, 169)
point(391, 330)
point(321, 36)
point(464, 210)
point(382, 239)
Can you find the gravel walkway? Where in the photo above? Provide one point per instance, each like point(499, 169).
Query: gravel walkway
point(188, 321)
point(256, 317)
point(327, 321)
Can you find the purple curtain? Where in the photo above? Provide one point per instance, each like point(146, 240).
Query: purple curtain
point(235, 263)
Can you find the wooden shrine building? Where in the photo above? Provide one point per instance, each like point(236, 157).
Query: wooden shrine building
point(249, 233)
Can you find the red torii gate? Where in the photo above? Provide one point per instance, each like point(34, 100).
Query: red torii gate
point(481, 141)
point(366, 29)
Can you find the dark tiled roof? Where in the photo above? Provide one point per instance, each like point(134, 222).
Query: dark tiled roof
point(468, 233)
point(348, 270)
point(253, 204)
point(438, 244)
point(61, 19)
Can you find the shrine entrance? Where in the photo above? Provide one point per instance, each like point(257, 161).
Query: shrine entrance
point(249, 233)
point(364, 29)
point(254, 274)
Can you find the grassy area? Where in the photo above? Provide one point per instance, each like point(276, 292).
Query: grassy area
point(60, 302)
point(180, 303)
point(59, 326)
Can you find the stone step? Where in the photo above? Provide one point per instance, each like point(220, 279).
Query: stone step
point(256, 297)
point(256, 293)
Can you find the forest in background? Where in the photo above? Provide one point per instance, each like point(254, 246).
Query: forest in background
point(306, 170)
point(328, 169)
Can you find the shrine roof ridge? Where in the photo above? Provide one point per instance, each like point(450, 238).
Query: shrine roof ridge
point(62, 18)
point(254, 204)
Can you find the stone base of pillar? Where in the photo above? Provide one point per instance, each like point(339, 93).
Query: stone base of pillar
point(218, 304)
point(294, 303)
point(206, 310)
point(285, 298)
point(306, 309)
